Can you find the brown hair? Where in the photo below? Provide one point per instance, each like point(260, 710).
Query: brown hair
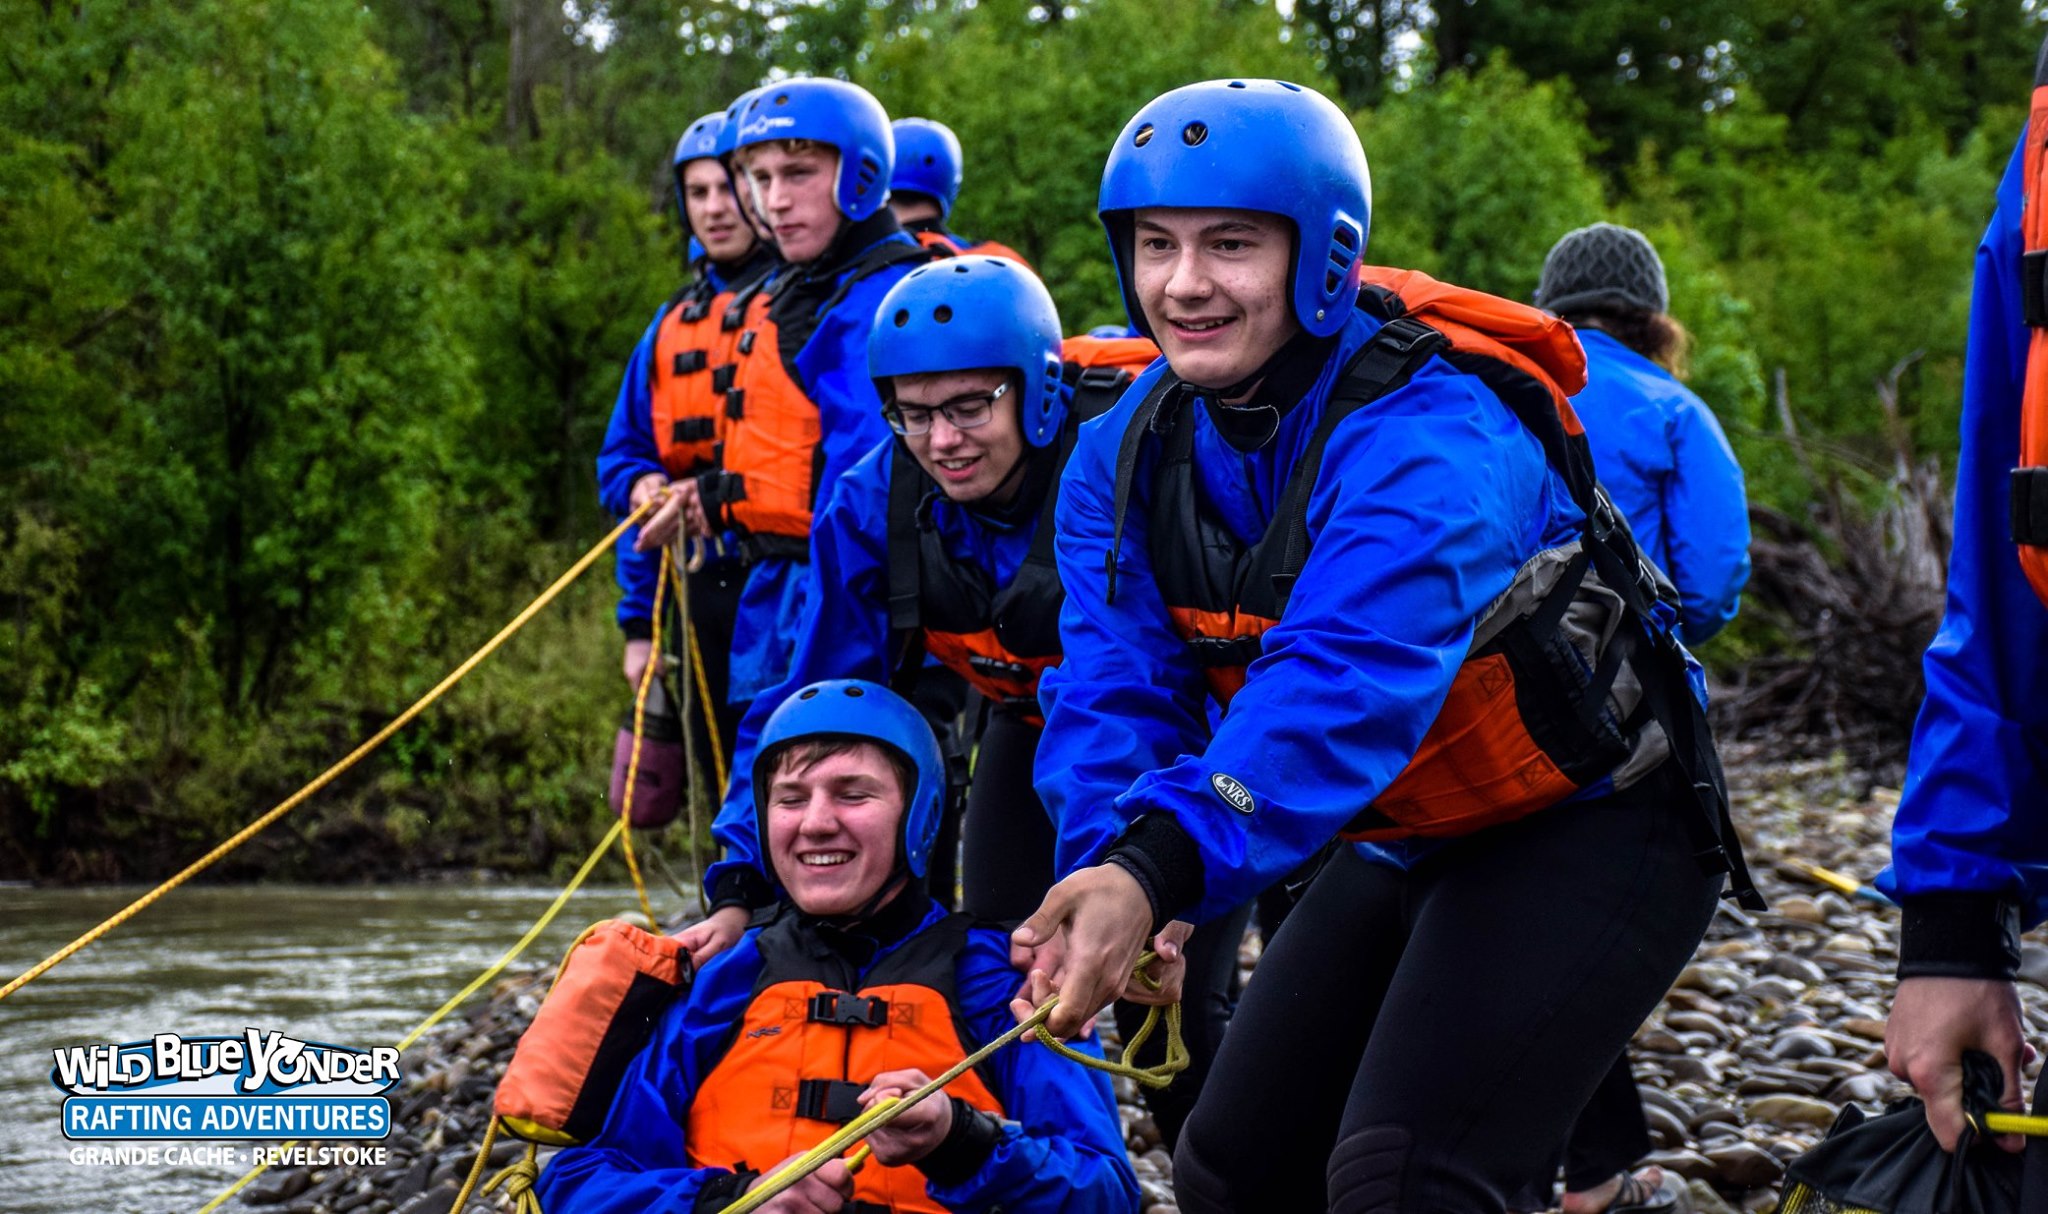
point(1656, 336)
point(798, 757)
point(795, 147)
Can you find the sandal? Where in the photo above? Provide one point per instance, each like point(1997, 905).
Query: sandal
point(1638, 1196)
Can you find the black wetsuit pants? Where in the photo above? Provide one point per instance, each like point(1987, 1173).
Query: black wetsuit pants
point(1007, 865)
point(1418, 1040)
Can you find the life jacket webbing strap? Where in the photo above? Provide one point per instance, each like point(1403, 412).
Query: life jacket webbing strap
point(1143, 421)
point(2030, 506)
point(834, 1100)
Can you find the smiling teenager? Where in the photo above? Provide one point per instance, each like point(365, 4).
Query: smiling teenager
point(860, 988)
point(663, 427)
point(1340, 568)
point(796, 408)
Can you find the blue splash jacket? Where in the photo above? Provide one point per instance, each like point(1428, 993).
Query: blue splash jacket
point(1665, 462)
point(1062, 1147)
point(832, 369)
point(844, 632)
point(1428, 503)
point(1970, 841)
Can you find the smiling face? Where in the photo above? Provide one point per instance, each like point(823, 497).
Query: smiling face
point(833, 824)
point(970, 464)
point(714, 213)
point(1213, 286)
point(793, 185)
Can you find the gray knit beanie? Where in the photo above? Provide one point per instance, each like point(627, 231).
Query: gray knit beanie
point(1602, 266)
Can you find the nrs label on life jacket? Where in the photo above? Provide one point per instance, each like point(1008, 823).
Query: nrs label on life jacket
point(1234, 794)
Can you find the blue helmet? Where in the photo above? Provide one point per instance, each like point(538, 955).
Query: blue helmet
point(972, 311)
point(1253, 145)
point(927, 161)
point(699, 142)
point(866, 712)
point(846, 116)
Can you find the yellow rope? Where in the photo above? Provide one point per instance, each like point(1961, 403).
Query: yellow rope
point(883, 1112)
point(518, 1181)
point(533, 933)
point(694, 690)
point(639, 729)
point(2016, 1123)
point(476, 1170)
point(378, 739)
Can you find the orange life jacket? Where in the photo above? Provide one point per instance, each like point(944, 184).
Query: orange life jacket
point(999, 640)
point(1564, 674)
point(771, 433)
point(940, 238)
point(812, 1040)
point(2030, 479)
point(692, 369)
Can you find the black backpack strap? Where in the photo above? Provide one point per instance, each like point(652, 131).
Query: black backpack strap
point(1143, 420)
point(1383, 364)
point(874, 261)
point(907, 488)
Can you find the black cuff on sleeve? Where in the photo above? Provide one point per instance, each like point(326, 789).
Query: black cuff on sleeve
point(637, 629)
point(1156, 851)
point(966, 1148)
point(721, 1191)
point(1959, 935)
point(744, 888)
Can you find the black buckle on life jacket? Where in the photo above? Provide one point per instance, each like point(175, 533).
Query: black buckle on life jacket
point(746, 342)
point(1224, 651)
point(1104, 379)
point(834, 1100)
point(735, 314)
point(839, 1007)
point(696, 310)
point(2030, 506)
point(722, 377)
point(2034, 288)
point(998, 668)
point(688, 362)
point(736, 403)
point(692, 430)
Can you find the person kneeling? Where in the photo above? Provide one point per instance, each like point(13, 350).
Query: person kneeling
point(859, 988)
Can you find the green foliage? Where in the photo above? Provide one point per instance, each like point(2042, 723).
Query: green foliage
point(311, 318)
point(1036, 103)
point(1474, 180)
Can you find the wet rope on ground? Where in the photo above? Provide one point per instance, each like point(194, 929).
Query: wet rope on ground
point(497, 967)
point(321, 781)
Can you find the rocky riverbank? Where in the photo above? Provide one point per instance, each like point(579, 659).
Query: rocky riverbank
point(1777, 1024)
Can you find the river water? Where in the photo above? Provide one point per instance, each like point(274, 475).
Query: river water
point(344, 966)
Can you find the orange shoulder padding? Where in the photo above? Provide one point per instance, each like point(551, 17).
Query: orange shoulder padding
point(1133, 354)
point(996, 248)
point(611, 991)
point(1526, 338)
point(979, 658)
point(2033, 449)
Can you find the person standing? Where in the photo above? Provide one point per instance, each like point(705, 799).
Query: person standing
point(1340, 567)
point(1970, 840)
point(1659, 450)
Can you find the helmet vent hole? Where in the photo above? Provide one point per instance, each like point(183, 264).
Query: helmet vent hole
point(942, 314)
point(855, 692)
point(1237, 84)
point(1345, 237)
point(808, 693)
point(959, 269)
point(782, 99)
point(902, 317)
point(1143, 137)
point(1292, 88)
point(1194, 133)
point(1331, 281)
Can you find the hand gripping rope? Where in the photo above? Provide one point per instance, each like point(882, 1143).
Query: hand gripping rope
point(469, 664)
point(886, 1111)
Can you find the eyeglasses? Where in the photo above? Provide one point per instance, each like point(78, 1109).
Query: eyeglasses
point(964, 413)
